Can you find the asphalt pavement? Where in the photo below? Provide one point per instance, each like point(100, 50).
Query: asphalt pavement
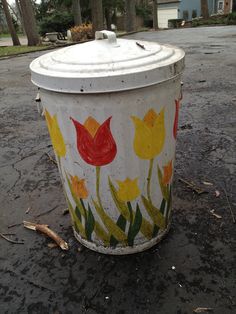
point(194, 266)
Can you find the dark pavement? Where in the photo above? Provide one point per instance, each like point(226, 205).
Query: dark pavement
point(194, 266)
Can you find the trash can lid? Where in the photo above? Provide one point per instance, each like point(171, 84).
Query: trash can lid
point(106, 64)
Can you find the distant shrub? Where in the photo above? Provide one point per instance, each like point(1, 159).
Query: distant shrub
point(82, 32)
point(231, 19)
point(56, 22)
point(194, 14)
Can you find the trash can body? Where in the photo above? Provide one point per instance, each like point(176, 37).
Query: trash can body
point(115, 151)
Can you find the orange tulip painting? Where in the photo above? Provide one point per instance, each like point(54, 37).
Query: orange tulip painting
point(168, 170)
point(79, 187)
point(95, 142)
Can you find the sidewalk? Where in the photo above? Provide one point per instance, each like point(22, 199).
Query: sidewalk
point(7, 41)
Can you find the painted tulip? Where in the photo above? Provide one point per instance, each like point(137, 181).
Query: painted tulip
point(78, 187)
point(175, 128)
point(55, 134)
point(149, 134)
point(167, 175)
point(95, 142)
point(128, 190)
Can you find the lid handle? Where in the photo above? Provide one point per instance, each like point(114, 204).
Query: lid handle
point(111, 36)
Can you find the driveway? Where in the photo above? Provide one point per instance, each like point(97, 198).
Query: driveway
point(194, 266)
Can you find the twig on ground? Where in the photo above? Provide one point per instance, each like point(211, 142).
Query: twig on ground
point(202, 309)
point(230, 208)
point(193, 187)
point(214, 214)
point(52, 245)
point(46, 212)
point(14, 225)
point(10, 240)
point(65, 211)
point(28, 210)
point(47, 231)
point(51, 159)
point(207, 183)
point(8, 234)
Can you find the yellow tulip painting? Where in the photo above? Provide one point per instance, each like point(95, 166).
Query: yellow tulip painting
point(55, 134)
point(128, 190)
point(149, 134)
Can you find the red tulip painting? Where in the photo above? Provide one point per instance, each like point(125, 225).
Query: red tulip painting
point(95, 142)
point(175, 128)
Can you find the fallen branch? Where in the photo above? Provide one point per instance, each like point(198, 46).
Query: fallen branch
point(10, 240)
point(193, 187)
point(47, 231)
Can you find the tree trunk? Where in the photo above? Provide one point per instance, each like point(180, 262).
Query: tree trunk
point(204, 9)
point(10, 24)
point(20, 16)
point(97, 15)
point(77, 12)
point(155, 14)
point(29, 22)
point(130, 15)
point(107, 13)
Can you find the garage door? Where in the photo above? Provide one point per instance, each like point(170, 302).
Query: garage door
point(165, 14)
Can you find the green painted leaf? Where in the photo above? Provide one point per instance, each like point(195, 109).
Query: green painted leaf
point(77, 212)
point(169, 203)
point(110, 224)
point(77, 223)
point(89, 224)
point(154, 213)
point(164, 189)
point(146, 227)
point(121, 222)
point(155, 231)
point(135, 227)
point(163, 205)
point(122, 207)
point(76, 200)
point(102, 234)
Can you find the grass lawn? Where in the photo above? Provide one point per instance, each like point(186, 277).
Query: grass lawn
point(14, 50)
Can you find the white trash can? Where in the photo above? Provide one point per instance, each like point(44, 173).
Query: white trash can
point(111, 107)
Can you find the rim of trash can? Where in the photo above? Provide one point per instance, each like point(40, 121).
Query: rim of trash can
point(55, 71)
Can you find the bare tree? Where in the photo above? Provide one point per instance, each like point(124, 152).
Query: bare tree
point(130, 15)
point(97, 15)
point(155, 14)
point(10, 24)
point(29, 22)
point(18, 9)
point(204, 9)
point(77, 12)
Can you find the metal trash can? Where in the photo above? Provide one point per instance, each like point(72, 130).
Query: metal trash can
point(111, 107)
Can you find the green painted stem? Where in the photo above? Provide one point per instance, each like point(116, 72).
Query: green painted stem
point(130, 212)
point(149, 178)
point(98, 170)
